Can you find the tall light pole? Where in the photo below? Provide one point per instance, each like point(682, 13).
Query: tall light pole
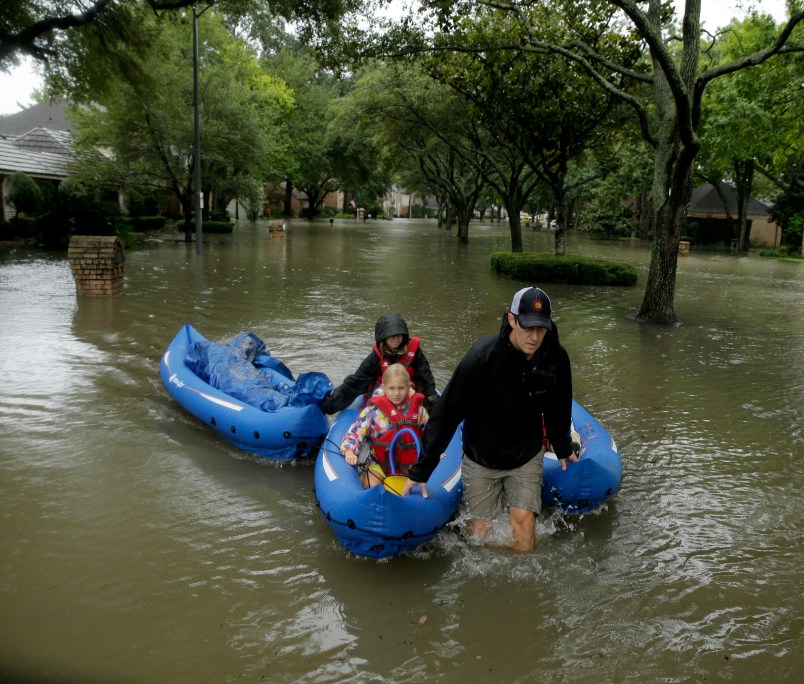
point(199, 193)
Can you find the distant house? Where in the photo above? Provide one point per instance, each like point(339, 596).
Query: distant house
point(706, 205)
point(35, 141)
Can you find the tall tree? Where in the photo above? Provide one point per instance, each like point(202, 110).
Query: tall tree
point(664, 93)
point(147, 125)
point(538, 111)
point(45, 30)
point(751, 119)
point(418, 122)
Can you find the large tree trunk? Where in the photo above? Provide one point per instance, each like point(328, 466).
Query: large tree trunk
point(462, 217)
point(672, 188)
point(675, 147)
point(514, 206)
point(561, 220)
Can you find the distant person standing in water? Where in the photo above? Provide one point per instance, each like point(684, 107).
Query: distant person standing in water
point(509, 389)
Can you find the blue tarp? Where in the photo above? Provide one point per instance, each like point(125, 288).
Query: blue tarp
point(244, 369)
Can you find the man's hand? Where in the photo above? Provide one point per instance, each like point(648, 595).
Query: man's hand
point(572, 457)
point(410, 484)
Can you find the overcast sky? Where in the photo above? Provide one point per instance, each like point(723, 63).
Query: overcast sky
point(17, 87)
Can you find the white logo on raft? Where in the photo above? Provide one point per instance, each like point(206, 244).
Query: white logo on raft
point(176, 381)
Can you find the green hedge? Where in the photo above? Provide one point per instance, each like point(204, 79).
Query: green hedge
point(145, 224)
point(210, 226)
point(571, 269)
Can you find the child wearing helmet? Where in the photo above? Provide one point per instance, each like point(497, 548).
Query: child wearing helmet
point(392, 344)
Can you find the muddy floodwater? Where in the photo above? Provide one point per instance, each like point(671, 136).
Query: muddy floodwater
point(138, 546)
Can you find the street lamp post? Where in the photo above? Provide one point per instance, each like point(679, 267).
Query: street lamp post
point(199, 193)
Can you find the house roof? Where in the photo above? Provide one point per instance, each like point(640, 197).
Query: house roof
point(36, 141)
point(44, 140)
point(38, 159)
point(50, 115)
point(706, 201)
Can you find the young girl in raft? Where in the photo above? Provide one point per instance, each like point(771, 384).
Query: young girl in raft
point(394, 406)
point(392, 344)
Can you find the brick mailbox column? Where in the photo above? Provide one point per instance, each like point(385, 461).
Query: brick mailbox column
point(98, 263)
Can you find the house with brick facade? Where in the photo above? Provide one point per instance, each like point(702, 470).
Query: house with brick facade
point(706, 205)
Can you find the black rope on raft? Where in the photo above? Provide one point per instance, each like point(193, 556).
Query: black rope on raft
point(352, 525)
point(303, 438)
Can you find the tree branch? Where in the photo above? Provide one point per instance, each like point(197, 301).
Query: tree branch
point(27, 40)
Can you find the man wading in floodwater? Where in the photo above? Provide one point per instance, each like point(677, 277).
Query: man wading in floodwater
point(509, 389)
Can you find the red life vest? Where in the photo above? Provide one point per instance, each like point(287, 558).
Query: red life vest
point(405, 453)
point(406, 361)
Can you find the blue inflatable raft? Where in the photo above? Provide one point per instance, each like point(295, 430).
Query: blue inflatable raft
point(282, 428)
point(377, 522)
point(596, 477)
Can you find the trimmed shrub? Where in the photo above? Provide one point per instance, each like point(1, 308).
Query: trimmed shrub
point(24, 193)
point(211, 226)
point(571, 269)
point(146, 224)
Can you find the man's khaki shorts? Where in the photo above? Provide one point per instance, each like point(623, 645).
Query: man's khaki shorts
point(488, 492)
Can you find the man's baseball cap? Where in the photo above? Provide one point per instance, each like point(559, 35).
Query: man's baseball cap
point(532, 308)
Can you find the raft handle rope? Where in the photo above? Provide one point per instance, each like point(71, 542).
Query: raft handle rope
point(350, 523)
point(393, 443)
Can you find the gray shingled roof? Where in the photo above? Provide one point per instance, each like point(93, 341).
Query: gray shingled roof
point(44, 140)
point(705, 200)
point(50, 115)
point(37, 164)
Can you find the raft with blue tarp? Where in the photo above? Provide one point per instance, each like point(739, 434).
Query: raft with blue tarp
point(596, 477)
point(246, 395)
point(377, 522)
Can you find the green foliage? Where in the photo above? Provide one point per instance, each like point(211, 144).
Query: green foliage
point(221, 227)
point(571, 269)
point(781, 255)
point(617, 222)
point(145, 224)
point(752, 113)
point(74, 211)
point(251, 194)
point(329, 212)
point(145, 202)
point(23, 193)
point(148, 125)
point(788, 210)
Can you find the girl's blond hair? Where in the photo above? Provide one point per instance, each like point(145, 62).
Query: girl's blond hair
point(395, 370)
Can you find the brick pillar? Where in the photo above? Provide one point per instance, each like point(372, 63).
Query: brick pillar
point(98, 263)
point(276, 228)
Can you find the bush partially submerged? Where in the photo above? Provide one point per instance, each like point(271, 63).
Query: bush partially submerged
point(145, 224)
point(571, 269)
point(212, 226)
point(782, 255)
